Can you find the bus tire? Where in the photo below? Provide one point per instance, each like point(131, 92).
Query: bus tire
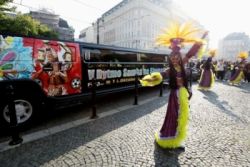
point(25, 111)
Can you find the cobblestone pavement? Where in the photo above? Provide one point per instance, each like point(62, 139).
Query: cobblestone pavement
point(54, 118)
point(218, 136)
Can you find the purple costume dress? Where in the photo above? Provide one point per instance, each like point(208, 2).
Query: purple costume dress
point(174, 128)
point(207, 78)
point(238, 75)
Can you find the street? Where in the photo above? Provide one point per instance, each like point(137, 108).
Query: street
point(218, 135)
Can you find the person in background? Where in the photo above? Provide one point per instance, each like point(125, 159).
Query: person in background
point(207, 75)
point(215, 69)
point(247, 72)
point(233, 68)
point(227, 70)
point(238, 75)
point(220, 70)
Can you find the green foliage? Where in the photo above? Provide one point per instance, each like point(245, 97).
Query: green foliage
point(4, 6)
point(22, 24)
point(25, 25)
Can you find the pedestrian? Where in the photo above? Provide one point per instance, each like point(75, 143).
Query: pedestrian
point(247, 69)
point(233, 66)
point(173, 130)
point(207, 75)
point(227, 70)
point(220, 70)
point(238, 75)
point(215, 65)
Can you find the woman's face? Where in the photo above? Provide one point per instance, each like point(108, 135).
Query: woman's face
point(175, 59)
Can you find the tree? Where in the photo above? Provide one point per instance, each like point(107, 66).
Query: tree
point(4, 6)
point(25, 25)
point(22, 24)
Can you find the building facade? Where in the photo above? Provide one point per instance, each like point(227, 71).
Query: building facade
point(54, 22)
point(232, 44)
point(136, 23)
point(87, 35)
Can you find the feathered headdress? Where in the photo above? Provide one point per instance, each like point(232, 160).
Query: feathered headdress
point(243, 55)
point(212, 52)
point(178, 34)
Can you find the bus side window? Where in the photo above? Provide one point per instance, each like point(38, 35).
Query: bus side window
point(144, 57)
point(139, 55)
point(122, 56)
point(95, 55)
point(150, 57)
point(166, 58)
point(91, 55)
point(87, 55)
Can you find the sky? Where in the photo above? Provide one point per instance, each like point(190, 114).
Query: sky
point(219, 17)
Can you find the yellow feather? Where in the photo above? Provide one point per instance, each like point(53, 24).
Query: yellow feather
point(152, 79)
point(186, 31)
point(243, 55)
point(212, 52)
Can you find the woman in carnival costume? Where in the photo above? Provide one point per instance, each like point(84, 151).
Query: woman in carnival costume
point(173, 130)
point(239, 73)
point(207, 73)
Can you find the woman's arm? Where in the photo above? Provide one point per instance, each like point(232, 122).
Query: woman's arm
point(201, 67)
point(195, 48)
point(165, 74)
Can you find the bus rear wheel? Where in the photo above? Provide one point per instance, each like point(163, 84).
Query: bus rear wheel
point(24, 111)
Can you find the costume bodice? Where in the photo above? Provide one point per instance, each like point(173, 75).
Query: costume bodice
point(179, 79)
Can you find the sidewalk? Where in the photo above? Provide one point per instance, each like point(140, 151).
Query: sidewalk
point(218, 136)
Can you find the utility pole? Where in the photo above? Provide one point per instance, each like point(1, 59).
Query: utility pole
point(98, 31)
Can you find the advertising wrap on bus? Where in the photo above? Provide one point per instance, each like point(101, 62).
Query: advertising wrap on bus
point(53, 73)
point(117, 68)
point(119, 75)
point(54, 65)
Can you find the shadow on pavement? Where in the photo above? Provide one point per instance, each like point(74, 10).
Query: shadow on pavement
point(55, 117)
point(166, 157)
point(212, 97)
point(47, 149)
point(243, 86)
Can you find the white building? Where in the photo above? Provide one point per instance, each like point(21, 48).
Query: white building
point(54, 21)
point(232, 44)
point(87, 35)
point(136, 23)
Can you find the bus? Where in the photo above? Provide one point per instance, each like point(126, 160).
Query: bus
point(45, 72)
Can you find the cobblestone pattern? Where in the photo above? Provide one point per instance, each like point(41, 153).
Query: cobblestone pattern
point(218, 136)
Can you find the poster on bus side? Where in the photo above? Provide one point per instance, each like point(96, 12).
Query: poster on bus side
point(55, 65)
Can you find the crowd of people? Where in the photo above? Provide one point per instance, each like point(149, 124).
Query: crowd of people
point(224, 70)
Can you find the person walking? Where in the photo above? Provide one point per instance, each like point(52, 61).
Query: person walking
point(208, 73)
point(239, 69)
